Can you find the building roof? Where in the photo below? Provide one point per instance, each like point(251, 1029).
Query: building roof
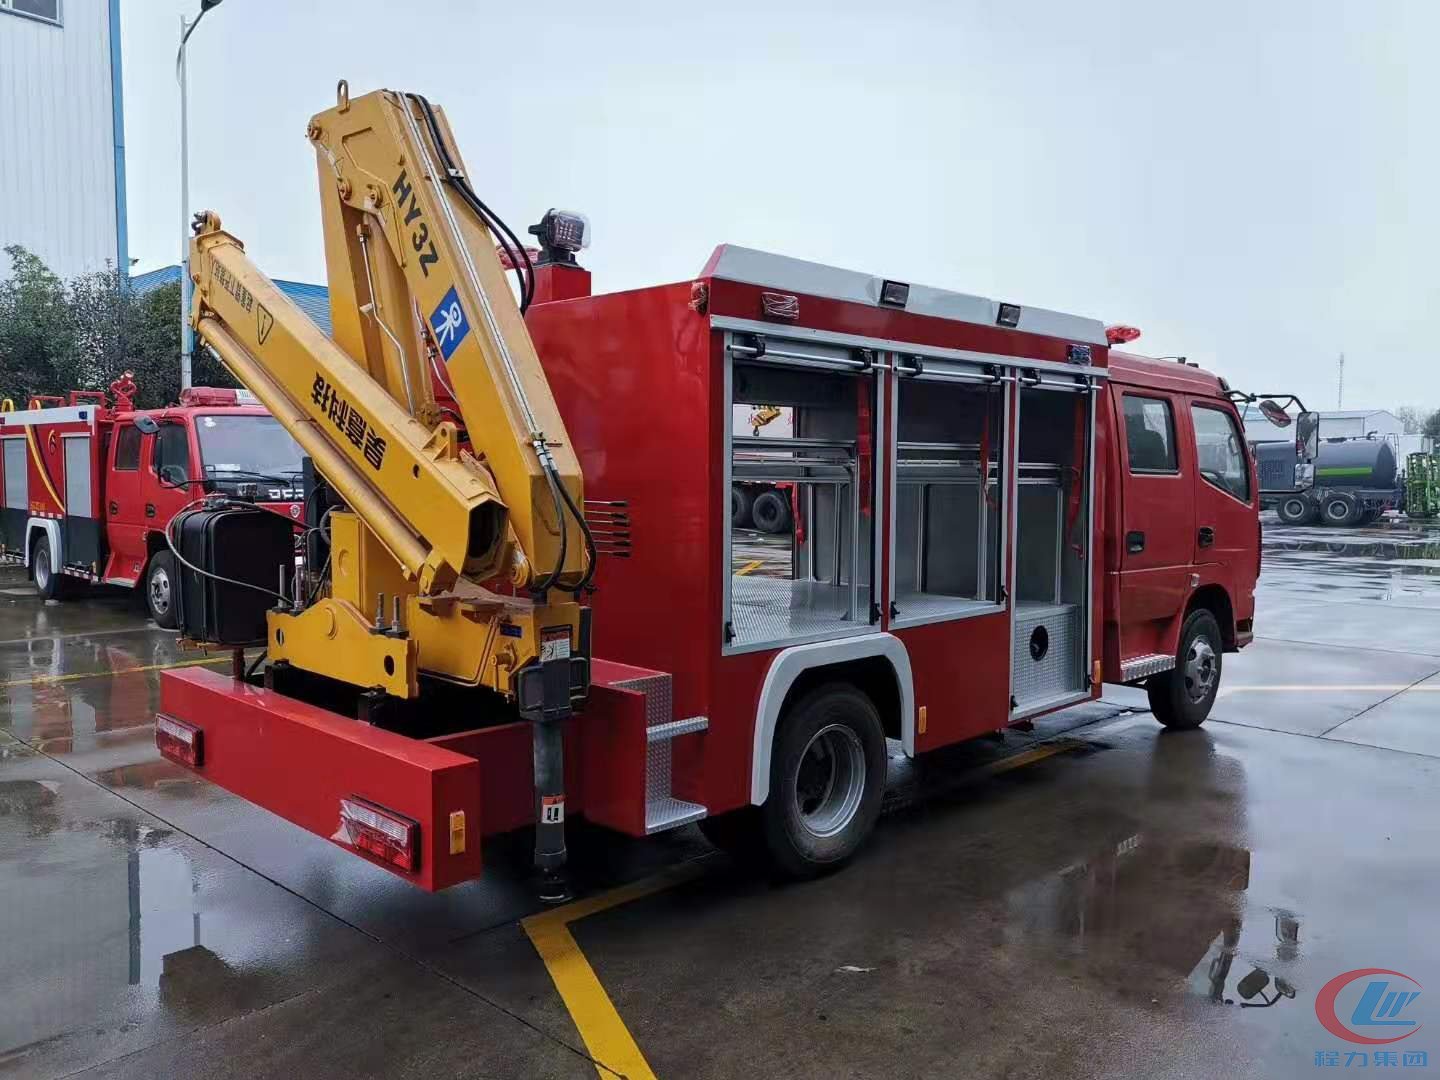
point(1252, 412)
point(314, 300)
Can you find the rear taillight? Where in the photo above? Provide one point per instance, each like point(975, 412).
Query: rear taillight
point(381, 834)
point(179, 741)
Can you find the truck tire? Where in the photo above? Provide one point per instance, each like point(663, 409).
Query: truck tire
point(1181, 698)
point(1339, 508)
point(159, 588)
point(740, 503)
point(827, 778)
point(50, 583)
point(1296, 510)
point(771, 512)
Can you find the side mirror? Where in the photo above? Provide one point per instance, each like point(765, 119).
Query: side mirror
point(1307, 436)
point(146, 425)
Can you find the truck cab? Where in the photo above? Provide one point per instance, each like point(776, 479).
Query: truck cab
point(1181, 527)
point(210, 444)
point(89, 482)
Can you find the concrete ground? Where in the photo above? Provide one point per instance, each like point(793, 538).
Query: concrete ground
point(1095, 898)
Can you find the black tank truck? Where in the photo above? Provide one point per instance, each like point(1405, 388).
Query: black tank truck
point(1356, 480)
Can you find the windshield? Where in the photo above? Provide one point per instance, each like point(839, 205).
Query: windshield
point(247, 448)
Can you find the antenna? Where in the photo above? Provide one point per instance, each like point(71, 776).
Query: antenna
point(1340, 389)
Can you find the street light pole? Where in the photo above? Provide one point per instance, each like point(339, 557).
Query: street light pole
point(187, 336)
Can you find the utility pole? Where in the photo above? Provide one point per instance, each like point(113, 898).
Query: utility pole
point(1340, 390)
point(187, 336)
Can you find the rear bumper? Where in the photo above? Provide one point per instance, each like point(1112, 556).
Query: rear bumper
point(299, 761)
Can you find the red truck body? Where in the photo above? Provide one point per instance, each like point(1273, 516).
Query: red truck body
point(83, 491)
point(996, 513)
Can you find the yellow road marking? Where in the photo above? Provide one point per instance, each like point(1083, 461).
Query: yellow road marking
point(1029, 757)
point(754, 564)
point(42, 680)
point(606, 1036)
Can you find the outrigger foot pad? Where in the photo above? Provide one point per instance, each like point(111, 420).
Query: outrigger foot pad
point(554, 887)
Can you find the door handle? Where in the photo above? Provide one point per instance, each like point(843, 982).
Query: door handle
point(114, 508)
point(1207, 536)
point(149, 509)
point(1134, 543)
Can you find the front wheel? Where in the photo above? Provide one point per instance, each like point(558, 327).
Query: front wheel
point(159, 588)
point(1183, 696)
point(50, 583)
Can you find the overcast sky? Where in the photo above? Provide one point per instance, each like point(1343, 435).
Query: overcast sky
point(1254, 184)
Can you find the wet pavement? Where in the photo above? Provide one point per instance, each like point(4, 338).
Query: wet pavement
point(1117, 907)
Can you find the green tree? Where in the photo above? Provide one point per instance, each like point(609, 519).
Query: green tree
point(36, 336)
point(56, 336)
point(1432, 426)
point(1412, 416)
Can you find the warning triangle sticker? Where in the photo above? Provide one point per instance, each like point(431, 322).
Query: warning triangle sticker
point(265, 322)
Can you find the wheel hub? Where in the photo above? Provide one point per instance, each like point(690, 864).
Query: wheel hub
point(830, 781)
point(1200, 669)
point(160, 592)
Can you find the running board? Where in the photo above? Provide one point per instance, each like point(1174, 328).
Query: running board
point(1142, 667)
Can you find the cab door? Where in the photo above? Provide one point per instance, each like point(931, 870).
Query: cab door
point(171, 474)
point(124, 505)
point(1157, 517)
point(1226, 533)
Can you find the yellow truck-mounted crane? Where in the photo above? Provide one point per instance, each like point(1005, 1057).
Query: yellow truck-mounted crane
point(473, 531)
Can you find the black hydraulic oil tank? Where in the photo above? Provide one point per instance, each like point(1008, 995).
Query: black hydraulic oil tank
point(241, 550)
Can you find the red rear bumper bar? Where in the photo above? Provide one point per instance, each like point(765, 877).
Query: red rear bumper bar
point(299, 762)
point(435, 798)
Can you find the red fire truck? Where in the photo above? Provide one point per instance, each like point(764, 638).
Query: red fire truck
point(1001, 513)
point(90, 483)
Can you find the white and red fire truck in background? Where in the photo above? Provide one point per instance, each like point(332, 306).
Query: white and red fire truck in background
point(89, 482)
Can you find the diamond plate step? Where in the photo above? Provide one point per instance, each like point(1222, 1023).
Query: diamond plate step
point(1141, 667)
point(662, 810)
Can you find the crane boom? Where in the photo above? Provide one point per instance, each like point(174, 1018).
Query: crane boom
point(442, 516)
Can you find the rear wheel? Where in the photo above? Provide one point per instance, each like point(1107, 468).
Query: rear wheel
point(740, 503)
point(1340, 508)
point(160, 590)
point(1295, 510)
point(771, 512)
point(827, 777)
point(49, 581)
point(1182, 697)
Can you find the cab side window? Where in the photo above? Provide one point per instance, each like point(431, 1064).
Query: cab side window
point(1221, 451)
point(1150, 434)
point(127, 449)
point(170, 457)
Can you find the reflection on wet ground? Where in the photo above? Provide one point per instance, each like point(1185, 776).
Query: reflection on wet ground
point(1142, 903)
point(1394, 560)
